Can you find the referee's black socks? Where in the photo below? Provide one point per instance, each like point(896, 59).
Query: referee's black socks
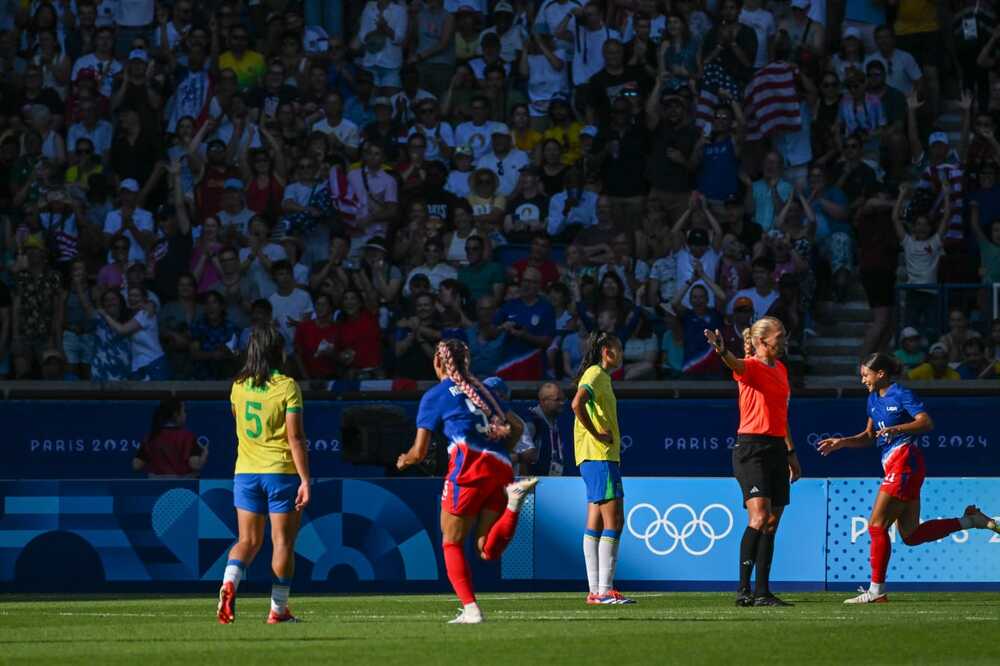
point(749, 553)
point(765, 553)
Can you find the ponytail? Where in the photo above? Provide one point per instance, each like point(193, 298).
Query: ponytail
point(165, 411)
point(454, 357)
point(758, 330)
point(597, 342)
point(880, 362)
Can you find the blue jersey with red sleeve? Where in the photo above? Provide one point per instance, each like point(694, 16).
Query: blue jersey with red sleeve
point(446, 409)
point(898, 406)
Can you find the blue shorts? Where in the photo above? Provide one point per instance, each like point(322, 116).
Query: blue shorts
point(603, 479)
point(265, 493)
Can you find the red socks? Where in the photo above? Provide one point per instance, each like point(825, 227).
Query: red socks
point(500, 535)
point(932, 530)
point(458, 572)
point(880, 552)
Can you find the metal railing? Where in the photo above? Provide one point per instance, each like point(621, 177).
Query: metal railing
point(945, 295)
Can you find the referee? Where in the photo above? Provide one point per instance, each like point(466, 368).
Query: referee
point(764, 460)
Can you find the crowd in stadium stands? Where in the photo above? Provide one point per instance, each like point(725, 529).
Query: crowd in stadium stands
point(376, 176)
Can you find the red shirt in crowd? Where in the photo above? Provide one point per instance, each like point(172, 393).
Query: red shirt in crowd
point(308, 336)
point(548, 269)
point(168, 452)
point(265, 199)
point(362, 335)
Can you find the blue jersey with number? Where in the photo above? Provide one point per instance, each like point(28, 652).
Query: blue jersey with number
point(446, 409)
point(898, 406)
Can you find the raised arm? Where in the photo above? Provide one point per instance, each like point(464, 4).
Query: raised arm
point(715, 339)
point(897, 210)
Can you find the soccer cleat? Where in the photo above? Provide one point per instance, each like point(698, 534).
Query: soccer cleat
point(226, 610)
point(619, 598)
point(517, 491)
point(769, 600)
point(744, 597)
point(280, 618)
point(606, 599)
point(980, 520)
point(592, 599)
point(468, 617)
point(867, 597)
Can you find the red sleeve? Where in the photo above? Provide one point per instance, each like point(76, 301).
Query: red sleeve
point(191, 447)
point(750, 371)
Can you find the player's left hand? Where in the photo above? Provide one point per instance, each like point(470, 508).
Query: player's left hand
point(887, 432)
point(402, 462)
point(794, 469)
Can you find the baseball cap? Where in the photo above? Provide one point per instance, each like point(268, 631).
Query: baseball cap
point(800, 4)
point(498, 386)
point(500, 128)
point(938, 348)
point(697, 237)
point(938, 137)
point(503, 7)
point(50, 354)
point(233, 184)
point(130, 184)
point(381, 101)
point(743, 302)
point(375, 243)
point(851, 33)
point(589, 130)
point(909, 332)
point(138, 54)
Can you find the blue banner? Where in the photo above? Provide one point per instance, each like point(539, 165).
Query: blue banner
point(678, 530)
point(383, 535)
point(93, 439)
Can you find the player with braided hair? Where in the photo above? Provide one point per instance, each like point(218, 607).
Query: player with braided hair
point(597, 443)
point(480, 480)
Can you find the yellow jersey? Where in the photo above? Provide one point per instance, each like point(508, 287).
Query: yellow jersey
point(602, 407)
point(249, 69)
point(260, 424)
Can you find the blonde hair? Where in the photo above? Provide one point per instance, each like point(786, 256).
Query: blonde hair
point(760, 328)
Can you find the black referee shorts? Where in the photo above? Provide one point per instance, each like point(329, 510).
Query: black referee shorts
point(760, 464)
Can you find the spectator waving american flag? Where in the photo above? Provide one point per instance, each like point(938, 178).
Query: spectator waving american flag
point(772, 102)
point(715, 79)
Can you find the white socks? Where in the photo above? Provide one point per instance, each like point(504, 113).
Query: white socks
point(280, 587)
point(607, 560)
point(472, 610)
point(877, 589)
point(234, 573)
point(591, 555)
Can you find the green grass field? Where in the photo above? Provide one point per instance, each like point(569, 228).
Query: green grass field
point(685, 628)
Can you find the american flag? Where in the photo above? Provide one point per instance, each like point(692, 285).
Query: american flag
point(772, 102)
point(715, 78)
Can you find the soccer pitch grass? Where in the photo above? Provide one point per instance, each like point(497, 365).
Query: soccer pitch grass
point(683, 628)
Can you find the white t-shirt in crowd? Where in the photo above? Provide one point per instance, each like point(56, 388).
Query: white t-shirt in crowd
point(143, 220)
point(922, 257)
point(477, 137)
point(432, 134)
point(901, 70)
point(762, 22)
point(297, 305)
point(345, 131)
point(507, 169)
point(145, 343)
point(545, 82)
point(458, 183)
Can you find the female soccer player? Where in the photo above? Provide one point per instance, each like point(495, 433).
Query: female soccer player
point(597, 443)
point(272, 471)
point(479, 483)
point(895, 415)
point(764, 460)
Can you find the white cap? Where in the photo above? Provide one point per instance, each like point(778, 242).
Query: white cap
point(138, 54)
point(130, 184)
point(500, 128)
point(909, 332)
point(938, 137)
point(938, 348)
point(851, 32)
point(503, 7)
point(800, 4)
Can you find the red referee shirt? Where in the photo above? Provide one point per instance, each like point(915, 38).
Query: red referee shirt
point(764, 395)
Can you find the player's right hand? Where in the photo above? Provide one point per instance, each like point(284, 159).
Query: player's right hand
point(827, 446)
point(605, 438)
point(302, 497)
point(401, 462)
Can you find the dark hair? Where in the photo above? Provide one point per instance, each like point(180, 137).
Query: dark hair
point(597, 342)
point(881, 362)
point(165, 412)
point(281, 265)
point(765, 262)
point(265, 354)
point(262, 303)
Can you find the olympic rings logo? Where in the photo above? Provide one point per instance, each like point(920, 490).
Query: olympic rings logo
point(679, 536)
point(626, 442)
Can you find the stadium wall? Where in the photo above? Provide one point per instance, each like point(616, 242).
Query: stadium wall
point(87, 439)
point(382, 535)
